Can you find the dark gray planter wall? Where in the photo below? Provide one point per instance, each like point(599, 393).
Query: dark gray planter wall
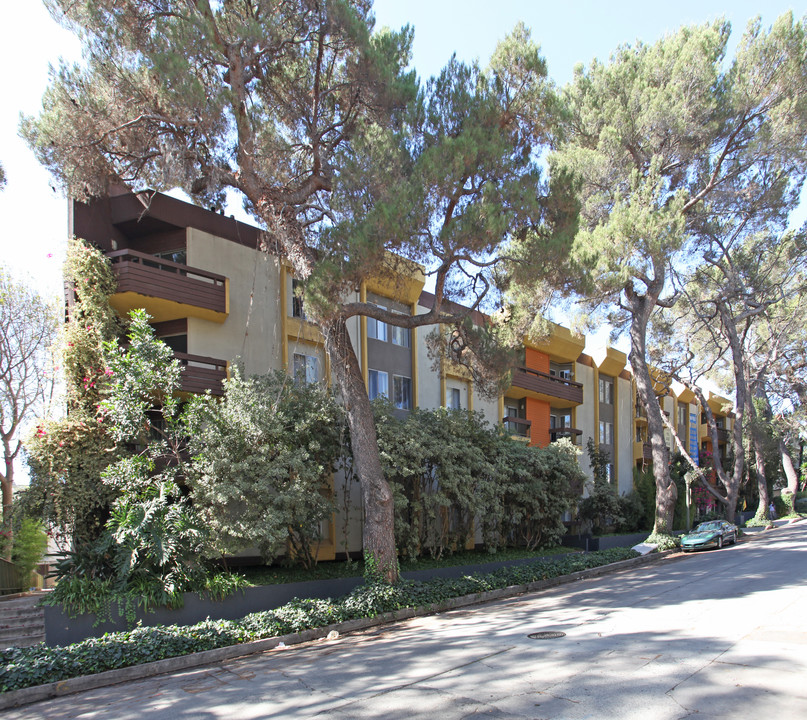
point(61, 629)
point(590, 543)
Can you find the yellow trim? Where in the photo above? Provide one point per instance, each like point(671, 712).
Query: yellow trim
point(562, 345)
point(399, 279)
point(413, 341)
point(365, 371)
point(615, 479)
point(443, 388)
point(501, 409)
point(284, 316)
point(297, 329)
point(162, 310)
point(609, 361)
point(458, 372)
point(470, 396)
point(596, 405)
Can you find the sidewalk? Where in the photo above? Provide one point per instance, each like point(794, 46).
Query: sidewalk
point(170, 665)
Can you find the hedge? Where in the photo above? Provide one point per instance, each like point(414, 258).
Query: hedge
point(40, 664)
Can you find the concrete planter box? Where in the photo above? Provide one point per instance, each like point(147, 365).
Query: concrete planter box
point(590, 543)
point(60, 629)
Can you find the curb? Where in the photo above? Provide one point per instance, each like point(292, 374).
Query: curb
point(25, 696)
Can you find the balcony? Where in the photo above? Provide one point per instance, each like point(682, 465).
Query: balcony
point(201, 373)
point(640, 415)
point(723, 435)
point(167, 290)
point(566, 432)
point(557, 391)
point(516, 426)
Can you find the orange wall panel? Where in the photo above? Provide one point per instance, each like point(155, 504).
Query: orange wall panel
point(537, 360)
point(538, 414)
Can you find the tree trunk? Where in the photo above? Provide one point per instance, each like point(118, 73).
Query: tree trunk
point(7, 482)
point(666, 492)
point(790, 470)
point(741, 398)
point(379, 518)
point(763, 510)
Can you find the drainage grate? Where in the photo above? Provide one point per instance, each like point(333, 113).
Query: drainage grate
point(546, 635)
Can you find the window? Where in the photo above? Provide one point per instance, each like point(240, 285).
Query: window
point(606, 391)
point(557, 421)
point(402, 392)
point(377, 329)
point(454, 402)
point(683, 415)
point(306, 368)
point(297, 309)
point(400, 336)
point(177, 256)
point(606, 433)
point(379, 384)
point(564, 372)
point(178, 343)
point(609, 472)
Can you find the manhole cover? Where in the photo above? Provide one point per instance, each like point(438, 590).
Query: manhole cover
point(546, 635)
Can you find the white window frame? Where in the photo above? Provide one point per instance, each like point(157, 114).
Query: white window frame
point(305, 368)
point(297, 307)
point(400, 336)
point(606, 391)
point(404, 382)
point(375, 380)
point(376, 329)
point(606, 433)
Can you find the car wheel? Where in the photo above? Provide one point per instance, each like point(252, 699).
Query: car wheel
point(720, 543)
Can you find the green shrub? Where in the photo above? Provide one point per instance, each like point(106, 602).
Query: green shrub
point(25, 667)
point(80, 595)
point(664, 542)
point(30, 543)
point(449, 470)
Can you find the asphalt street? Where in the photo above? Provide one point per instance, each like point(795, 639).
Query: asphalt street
point(717, 634)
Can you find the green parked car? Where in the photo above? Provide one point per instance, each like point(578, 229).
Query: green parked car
point(715, 533)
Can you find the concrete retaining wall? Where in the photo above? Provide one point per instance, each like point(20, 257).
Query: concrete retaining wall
point(590, 543)
point(60, 629)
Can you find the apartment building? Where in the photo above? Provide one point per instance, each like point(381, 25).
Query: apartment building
point(216, 298)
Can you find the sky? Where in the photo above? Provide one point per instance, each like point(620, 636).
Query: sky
point(33, 213)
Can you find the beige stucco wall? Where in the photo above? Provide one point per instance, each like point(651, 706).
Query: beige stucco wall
point(626, 435)
point(252, 330)
point(584, 417)
point(428, 379)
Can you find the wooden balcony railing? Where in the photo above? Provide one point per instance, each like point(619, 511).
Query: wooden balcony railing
point(201, 373)
point(566, 432)
point(517, 426)
point(546, 384)
point(145, 274)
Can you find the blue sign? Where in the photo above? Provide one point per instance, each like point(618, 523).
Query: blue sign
point(693, 437)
